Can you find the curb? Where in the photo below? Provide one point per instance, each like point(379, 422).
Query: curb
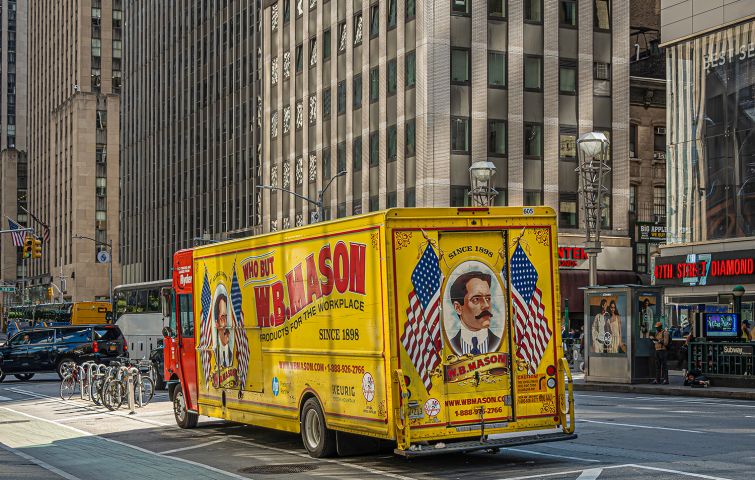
point(666, 390)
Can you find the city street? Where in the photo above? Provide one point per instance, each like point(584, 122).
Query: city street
point(621, 436)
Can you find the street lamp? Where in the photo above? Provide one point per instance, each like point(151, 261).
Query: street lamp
point(593, 167)
point(109, 245)
point(738, 293)
point(318, 203)
point(481, 175)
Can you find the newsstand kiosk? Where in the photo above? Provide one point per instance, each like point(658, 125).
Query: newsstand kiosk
point(619, 324)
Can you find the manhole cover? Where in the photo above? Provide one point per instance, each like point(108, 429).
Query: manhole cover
point(7, 422)
point(279, 469)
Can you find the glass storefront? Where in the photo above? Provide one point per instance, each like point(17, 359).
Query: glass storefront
point(711, 146)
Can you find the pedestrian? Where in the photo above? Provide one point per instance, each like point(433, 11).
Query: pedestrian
point(661, 340)
point(745, 332)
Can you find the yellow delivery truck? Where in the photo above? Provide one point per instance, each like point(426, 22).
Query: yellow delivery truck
point(431, 328)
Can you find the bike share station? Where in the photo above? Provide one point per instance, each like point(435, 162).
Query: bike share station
point(619, 324)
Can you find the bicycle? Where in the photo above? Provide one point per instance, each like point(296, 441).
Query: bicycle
point(70, 384)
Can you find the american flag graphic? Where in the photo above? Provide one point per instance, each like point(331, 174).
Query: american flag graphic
point(532, 332)
point(242, 344)
point(205, 332)
point(18, 237)
point(421, 337)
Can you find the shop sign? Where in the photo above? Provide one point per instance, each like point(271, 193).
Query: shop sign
point(740, 350)
point(571, 257)
point(650, 232)
point(721, 58)
point(696, 269)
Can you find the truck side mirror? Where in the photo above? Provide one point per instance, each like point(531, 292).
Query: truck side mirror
point(165, 302)
point(167, 332)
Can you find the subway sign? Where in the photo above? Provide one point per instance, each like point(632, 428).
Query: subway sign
point(718, 268)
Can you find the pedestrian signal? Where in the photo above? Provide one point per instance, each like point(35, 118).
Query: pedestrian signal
point(36, 250)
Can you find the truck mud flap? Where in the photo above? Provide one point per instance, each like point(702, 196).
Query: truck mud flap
point(441, 448)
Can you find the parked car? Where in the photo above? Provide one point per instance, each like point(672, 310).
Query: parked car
point(50, 349)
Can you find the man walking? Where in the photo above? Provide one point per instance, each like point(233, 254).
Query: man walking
point(661, 340)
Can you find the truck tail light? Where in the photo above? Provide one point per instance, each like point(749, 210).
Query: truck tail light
point(551, 370)
point(95, 347)
point(125, 346)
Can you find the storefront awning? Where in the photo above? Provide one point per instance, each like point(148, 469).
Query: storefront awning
point(573, 280)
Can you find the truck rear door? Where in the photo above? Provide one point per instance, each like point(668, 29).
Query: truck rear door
point(477, 329)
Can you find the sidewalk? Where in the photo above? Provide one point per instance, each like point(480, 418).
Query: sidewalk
point(675, 387)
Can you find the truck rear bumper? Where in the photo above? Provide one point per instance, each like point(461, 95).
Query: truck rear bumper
point(474, 445)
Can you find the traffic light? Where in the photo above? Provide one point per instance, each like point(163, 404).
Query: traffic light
point(36, 249)
point(50, 293)
point(28, 242)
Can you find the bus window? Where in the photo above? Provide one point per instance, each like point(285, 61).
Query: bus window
point(120, 304)
point(187, 317)
point(153, 300)
point(141, 301)
point(131, 302)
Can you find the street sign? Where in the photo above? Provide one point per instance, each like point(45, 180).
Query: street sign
point(103, 257)
point(7, 288)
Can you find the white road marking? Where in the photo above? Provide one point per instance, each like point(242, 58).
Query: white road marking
point(640, 426)
point(722, 402)
point(590, 474)
point(628, 465)
point(42, 464)
point(124, 444)
point(5, 399)
point(533, 452)
point(176, 450)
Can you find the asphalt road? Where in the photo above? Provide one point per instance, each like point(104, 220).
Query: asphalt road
point(621, 436)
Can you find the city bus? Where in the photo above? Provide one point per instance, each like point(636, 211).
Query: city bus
point(430, 328)
point(139, 316)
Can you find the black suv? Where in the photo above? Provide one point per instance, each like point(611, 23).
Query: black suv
point(48, 349)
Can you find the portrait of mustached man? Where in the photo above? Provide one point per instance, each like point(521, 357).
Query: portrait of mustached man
point(472, 301)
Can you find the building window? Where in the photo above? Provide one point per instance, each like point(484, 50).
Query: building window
point(326, 100)
point(374, 203)
point(326, 163)
point(602, 15)
point(410, 73)
point(567, 14)
point(460, 134)
point(633, 140)
point(117, 48)
point(312, 52)
point(341, 157)
point(567, 210)
point(96, 47)
point(496, 137)
point(659, 204)
point(341, 37)
point(286, 11)
point(356, 154)
point(341, 97)
point(632, 198)
point(567, 145)
point(533, 72)
point(410, 10)
point(410, 197)
point(391, 14)
point(357, 91)
point(326, 45)
point(533, 140)
point(602, 79)
point(410, 138)
point(533, 11)
point(374, 20)
point(374, 149)
point(391, 81)
point(641, 257)
point(459, 197)
point(497, 9)
point(374, 84)
point(533, 197)
point(460, 65)
point(567, 77)
point(460, 7)
point(358, 29)
point(496, 69)
point(299, 58)
point(390, 200)
point(659, 143)
point(391, 143)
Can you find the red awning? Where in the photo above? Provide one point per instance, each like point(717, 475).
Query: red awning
point(573, 280)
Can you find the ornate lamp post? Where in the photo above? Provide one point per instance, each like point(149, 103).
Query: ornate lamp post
point(592, 170)
point(738, 293)
point(481, 175)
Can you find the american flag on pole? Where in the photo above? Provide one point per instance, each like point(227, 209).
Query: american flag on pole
point(18, 237)
point(421, 337)
point(532, 332)
point(205, 331)
point(242, 344)
point(45, 227)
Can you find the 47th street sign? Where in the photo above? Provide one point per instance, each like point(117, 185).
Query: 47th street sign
point(7, 288)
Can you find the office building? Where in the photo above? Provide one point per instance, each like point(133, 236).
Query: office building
point(403, 95)
point(74, 75)
point(710, 53)
point(189, 134)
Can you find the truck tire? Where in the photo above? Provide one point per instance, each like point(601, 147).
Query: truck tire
point(24, 377)
point(184, 418)
point(318, 439)
point(2, 375)
point(62, 366)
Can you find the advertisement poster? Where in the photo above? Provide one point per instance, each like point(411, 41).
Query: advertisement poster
point(608, 325)
point(647, 312)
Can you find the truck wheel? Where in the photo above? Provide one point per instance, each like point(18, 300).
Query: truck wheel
point(65, 365)
point(2, 375)
point(184, 418)
point(24, 377)
point(319, 441)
